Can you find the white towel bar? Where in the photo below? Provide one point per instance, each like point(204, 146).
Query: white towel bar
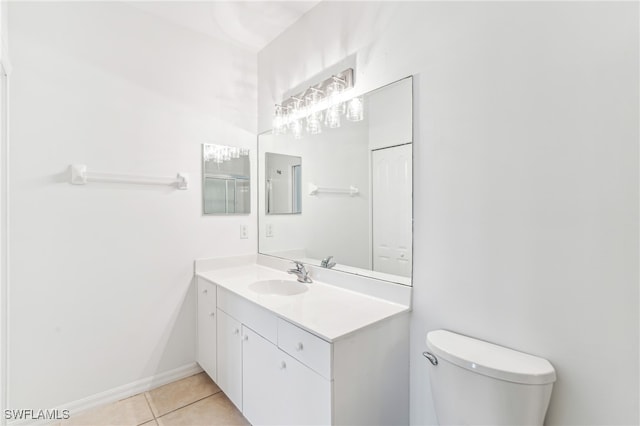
point(80, 176)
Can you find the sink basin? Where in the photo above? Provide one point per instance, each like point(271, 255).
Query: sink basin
point(278, 287)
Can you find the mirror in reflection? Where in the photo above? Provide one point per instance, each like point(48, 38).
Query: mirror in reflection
point(225, 180)
point(283, 183)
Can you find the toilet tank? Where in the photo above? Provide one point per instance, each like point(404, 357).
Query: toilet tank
point(479, 383)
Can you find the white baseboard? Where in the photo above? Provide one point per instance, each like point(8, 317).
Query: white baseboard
point(118, 393)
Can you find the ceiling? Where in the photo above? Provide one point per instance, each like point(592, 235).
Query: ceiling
point(250, 24)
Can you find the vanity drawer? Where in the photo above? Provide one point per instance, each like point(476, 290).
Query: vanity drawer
point(253, 316)
point(305, 347)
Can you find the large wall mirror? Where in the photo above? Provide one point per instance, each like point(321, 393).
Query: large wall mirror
point(225, 180)
point(354, 187)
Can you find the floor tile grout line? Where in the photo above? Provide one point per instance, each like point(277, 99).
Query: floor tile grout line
point(146, 398)
point(191, 403)
point(147, 395)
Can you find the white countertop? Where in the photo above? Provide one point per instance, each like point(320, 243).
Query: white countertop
point(327, 311)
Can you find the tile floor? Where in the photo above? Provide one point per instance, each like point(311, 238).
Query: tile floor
point(193, 401)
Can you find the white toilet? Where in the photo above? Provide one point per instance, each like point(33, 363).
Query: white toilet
point(478, 383)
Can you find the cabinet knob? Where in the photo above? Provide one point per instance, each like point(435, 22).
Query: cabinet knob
point(205, 291)
point(299, 347)
point(283, 365)
point(245, 337)
point(236, 331)
point(213, 314)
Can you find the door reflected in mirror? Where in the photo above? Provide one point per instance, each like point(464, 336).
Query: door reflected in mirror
point(283, 183)
point(225, 180)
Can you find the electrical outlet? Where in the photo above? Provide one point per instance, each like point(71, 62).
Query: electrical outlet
point(269, 230)
point(244, 233)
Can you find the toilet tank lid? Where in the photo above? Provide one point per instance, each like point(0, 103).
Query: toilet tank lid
point(489, 359)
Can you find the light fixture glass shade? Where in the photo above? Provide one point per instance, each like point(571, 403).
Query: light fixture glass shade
point(312, 101)
point(335, 90)
point(296, 128)
point(355, 109)
point(333, 115)
point(279, 121)
point(315, 115)
point(226, 153)
point(313, 124)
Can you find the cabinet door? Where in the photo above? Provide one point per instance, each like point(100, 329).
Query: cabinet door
point(306, 396)
point(206, 317)
point(230, 357)
point(262, 397)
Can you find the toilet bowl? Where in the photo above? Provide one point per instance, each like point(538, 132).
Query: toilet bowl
point(478, 383)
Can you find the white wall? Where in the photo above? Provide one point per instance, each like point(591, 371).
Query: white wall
point(100, 275)
point(526, 177)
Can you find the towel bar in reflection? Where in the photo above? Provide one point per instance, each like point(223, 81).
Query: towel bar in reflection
point(315, 189)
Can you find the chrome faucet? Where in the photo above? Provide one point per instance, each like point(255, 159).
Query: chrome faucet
point(327, 263)
point(301, 272)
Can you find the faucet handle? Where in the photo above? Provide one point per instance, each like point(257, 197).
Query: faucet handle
point(301, 272)
point(327, 263)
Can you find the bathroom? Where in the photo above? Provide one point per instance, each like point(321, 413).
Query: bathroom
point(525, 182)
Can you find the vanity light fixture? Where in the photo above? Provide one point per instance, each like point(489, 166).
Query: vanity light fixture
point(219, 153)
point(327, 101)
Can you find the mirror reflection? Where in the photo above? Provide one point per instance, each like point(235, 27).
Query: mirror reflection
point(356, 187)
point(283, 183)
point(225, 180)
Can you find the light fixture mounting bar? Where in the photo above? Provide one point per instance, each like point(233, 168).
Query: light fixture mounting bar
point(346, 76)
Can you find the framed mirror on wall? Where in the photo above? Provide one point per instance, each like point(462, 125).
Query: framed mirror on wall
point(354, 194)
point(226, 180)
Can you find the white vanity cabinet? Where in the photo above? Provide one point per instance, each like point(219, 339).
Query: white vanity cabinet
point(206, 323)
point(268, 385)
point(277, 373)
